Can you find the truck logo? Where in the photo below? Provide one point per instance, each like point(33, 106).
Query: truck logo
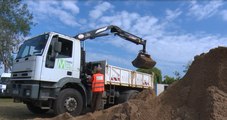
point(64, 64)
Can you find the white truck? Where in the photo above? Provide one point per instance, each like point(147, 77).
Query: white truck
point(5, 77)
point(50, 72)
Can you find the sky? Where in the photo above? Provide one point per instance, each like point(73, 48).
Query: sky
point(175, 31)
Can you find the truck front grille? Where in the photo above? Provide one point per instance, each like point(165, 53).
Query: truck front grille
point(21, 75)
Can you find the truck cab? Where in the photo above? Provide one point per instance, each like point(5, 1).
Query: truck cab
point(44, 65)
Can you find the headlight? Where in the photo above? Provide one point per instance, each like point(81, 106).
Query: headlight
point(27, 92)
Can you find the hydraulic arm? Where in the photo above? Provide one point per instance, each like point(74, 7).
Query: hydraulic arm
point(143, 60)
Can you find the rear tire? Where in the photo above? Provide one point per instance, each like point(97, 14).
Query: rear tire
point(69, 100)
point(36, 110)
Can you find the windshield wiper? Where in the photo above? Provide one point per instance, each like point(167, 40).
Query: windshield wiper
point(28, 55)
point(18, 57)
point(23, 57)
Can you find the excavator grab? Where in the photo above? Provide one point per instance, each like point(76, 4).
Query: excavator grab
point(143, 59)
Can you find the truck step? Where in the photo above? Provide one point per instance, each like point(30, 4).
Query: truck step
point(49, 87)
point(45, 107)
point(112, 94)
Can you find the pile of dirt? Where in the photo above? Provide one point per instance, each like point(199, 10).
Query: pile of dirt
point(200, 95)
point(65, 116)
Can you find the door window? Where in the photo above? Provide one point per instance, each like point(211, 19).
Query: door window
point(66, 51)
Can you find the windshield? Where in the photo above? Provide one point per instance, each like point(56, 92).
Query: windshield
point(34, 46)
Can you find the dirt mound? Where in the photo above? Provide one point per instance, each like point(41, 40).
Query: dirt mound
point(65, 116)
point(125, 111)
point(200, 95)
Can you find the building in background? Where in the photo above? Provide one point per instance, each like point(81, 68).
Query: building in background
point(159, 88)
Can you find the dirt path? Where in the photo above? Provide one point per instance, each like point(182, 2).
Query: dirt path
point(17, 111)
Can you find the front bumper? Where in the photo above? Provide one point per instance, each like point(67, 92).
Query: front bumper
point(27, 90)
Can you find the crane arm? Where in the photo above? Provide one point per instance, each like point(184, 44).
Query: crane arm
point(114, 30)
point(143, 60)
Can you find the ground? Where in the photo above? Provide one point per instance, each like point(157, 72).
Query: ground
point(18, 111)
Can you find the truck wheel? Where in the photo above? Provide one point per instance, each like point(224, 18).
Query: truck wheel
point(127, 95)
point(69, 100)
point(35, 109)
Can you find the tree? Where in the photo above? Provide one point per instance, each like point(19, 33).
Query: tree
point(187, 66)
point(15, 23)
point(177, 75)
point(156, 71)
point(168, 80)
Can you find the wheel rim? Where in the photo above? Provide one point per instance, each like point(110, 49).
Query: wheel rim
point(70, 104)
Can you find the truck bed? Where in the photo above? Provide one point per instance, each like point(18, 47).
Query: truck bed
point(124, 77)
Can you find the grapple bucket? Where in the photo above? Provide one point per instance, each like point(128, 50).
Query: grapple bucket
point(143, 61)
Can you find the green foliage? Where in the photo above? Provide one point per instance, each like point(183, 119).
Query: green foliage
point(168, 80)
point(186, 67)
point(156, 71)
point(177, 75)
point(15, 22)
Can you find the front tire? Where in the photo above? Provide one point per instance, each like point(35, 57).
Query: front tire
point(69, 100)
point(36, 110)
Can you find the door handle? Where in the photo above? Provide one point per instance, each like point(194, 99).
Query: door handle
point(69, 73)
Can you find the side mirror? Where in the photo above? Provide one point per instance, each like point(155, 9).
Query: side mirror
point(57, 46)
point(16, 49)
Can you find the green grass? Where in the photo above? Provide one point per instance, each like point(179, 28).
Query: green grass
point(17, 111)
point(5, 100)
